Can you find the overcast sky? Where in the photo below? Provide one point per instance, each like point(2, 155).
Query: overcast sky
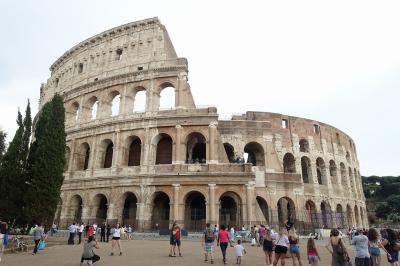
point(337, 62)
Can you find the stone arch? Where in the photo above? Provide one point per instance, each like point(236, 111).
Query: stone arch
point(256, 153)
point(134, 151)
point(230, 152)
point(139, 99)
point(167, 96)
point(362, 217)
point(289, 163)
point(196, 148)
point(312, 215)
point(115, 103)
point(333, 172)
point(357, 216)
point(75, 208)
point(106, 150)
point(83, 157)
point(349, 216)
point(263, 205)
point(343, 175)
point(348, 157)
point(129, 208)
point(304, 145)
point(163, 149)
point(326, 215)
point(195, 211)
point(72, 113)
point(286, 210)
point(67, 157)
point(230, 212)
point(321, 171)
point(160, 210)
point(91, 112)
point(306, 170)
point(100, 208)
point(340, 217)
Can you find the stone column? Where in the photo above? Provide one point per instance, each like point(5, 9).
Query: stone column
point(111, 213)
point(116, 160)
point(178, 146)
point(249, 203)
point(86, 216)
point(212, 206)
point(212, 145)
point(176, 217)
point(71, 157)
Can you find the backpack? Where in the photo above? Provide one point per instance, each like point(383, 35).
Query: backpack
point(209, 235)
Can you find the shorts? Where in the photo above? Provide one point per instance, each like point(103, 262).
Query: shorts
point(208, 247)
point(116, 238)
point(268, 246)
point(294, 249)
point(280, 250)
point(375, 251)
point(394, 257)
point(313, 258)
point(178, 242)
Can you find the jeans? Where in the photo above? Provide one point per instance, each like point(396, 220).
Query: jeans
point(363, 261)
point(223, 247)
point(79, 237)
point(71, 239)
point(103, 237)
point(36, 246)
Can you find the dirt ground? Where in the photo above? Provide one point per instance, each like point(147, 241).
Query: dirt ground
point(152, 252)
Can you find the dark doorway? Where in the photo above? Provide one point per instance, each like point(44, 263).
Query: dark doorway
point(134, 152)
point(230, 212)
point(129, 211)
point(160, 211)
point(108, 156)
point(195, 212)
point(164, 150)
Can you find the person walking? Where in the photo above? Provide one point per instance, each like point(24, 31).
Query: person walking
point(130, 231)
point(72, 232)
point(282, 246)
point(268, 247)
point(362, 252)
point(239, 251)
point(88, 253)
point(294, 247)
point(108, 232)
point(337, 249)
point(391, 244)
point(208, 243)
point(116, 240)
point(232, 236)
point(38, 233)
point(103, 232)
point(3, 232)
point(81, 228)
point(312, 252)
point(53, 230)
point(374, 246)
point(222, 241)
point(261, 234)
point(172, 241)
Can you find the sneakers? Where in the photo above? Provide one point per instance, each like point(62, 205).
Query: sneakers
point(112, 254)
point(120, 253)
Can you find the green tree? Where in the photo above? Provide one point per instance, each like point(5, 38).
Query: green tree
point(3, 136)
point(382, 211)
point(46, 162)
point(394, 203)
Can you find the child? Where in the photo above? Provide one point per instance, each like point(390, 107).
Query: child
point(239, 250)
point(312, 252)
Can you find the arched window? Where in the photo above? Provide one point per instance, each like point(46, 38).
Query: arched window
point(67, 156)
point(106, 149)
point(82, 157)
point(304, 147)
point(306, 169)
point(321, 171)
point(348, 158)
point(72, 113)
point(108, 156)
point(94, 108)
point(343, 174)
point(139, 104)
point(196, 148)
point(115, 103)
point(255, 154)
point(289, 165)
point(135, 149)
point(230, 152)
point(167, 97)
point(333, 171)
point(164, 150)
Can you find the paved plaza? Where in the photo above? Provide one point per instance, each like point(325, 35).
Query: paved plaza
point(148, 253)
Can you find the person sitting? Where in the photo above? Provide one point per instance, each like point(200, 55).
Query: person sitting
point(88, 253)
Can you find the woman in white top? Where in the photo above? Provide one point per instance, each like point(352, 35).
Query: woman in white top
point(281, 247)
point(116, 239)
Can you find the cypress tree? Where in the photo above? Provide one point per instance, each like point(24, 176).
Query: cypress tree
point(3, 136)
point(46, 162)
point(27, 134)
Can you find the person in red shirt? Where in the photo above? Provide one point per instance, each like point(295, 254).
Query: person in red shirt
point(175, 240)
point(222, 241)
point(178, 238)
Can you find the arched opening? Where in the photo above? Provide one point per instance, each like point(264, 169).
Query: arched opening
point(167, 97)
point(349, 215)
point(255, 154)
point(321, 171)
point(67, 157)
point(289, 165)
point(286, 211)
point(108, 154)
point(230, 210)
point(93, 110)
point(340, 218)
point(262, 203)
point(230, 152)
point(312, 216)
point(196, 148)
point(333, 171)
point(139, 104)
point(76, 208)
point(306, 171)
point(129, 210)
point(83, 156)
point(304, 147)
point(115, 103)
point(195, 211)
point(357, 216)
point(348, 158)
point(72, 113)
point(101, 207)
point(160, 214)
point(164, 150)
point(326, 215)
point(351, 180)
point(135, 149)
point(343, 175)
point(362, 217)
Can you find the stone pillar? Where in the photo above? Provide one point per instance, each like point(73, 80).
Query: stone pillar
point(111, 216)
point(178, 146)
point(71, 157)
point(117, 149)
point(212, 218)
point(249, 203)
point(212, 143)
point(86, 215)
point(175, 212)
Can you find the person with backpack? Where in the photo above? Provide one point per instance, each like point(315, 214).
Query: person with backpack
point(208, 243)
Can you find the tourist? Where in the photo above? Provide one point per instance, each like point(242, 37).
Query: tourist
point(38, 234)
point(239, 250)
point(175, 240)
point(90, 232)
point(108, 232)
point(261, 234)
point(215, 230)
point(362, 252)
point(208, 243)
point(3, 232)
point(312, 252)
point(178, 235)
point(374, 246)
point(294, 247)
point(222, 241)
point(103, 232)
point(116, 239)
point(130, 232)
point(88, 253)
point(95, 228)
point(232, 236)
point(53, 229)
point(391, 244)
point(336, 247)
point(281, 247)
point(268, 247)
point(72, 232)
point(81, 228)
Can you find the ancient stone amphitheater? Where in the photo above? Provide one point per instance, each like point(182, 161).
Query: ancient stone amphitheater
point(134, 159)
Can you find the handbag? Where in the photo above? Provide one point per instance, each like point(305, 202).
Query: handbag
point(42, 245)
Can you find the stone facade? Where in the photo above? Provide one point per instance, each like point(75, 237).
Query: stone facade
point(155, 166)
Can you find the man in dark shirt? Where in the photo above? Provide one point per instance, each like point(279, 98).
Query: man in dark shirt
point(108, 232)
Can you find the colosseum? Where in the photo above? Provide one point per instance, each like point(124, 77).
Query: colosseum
point(134, 159)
